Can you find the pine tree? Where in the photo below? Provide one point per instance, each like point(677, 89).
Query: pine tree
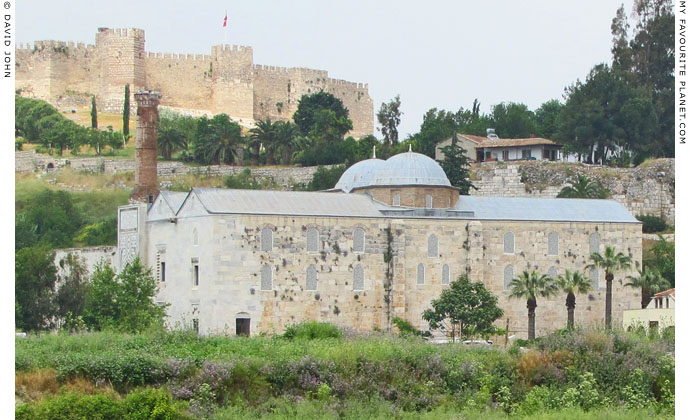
point(456, 164)
point(94, 112)
point(125, 113)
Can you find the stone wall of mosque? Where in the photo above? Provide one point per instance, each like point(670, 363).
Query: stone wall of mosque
point(441, 197)
point(645, 189)
point(280, 270)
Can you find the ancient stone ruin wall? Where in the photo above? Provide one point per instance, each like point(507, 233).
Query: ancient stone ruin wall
point(646, 189)
point(226, 81)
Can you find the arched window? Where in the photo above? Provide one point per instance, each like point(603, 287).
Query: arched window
point(594, 276)
point(420, 273)
point(312, 240)
point(358, 283)
point(594, 243)
point(508, 243)
point(358, 240)
point(195, 237)
point(266, 277)
point(508, 275)
point(553, 272)
point(432, 249)
point(266, 239)
point(429, 201)
point(445, 275)
point(396, 199)
point(312, 280)
point(553, 243)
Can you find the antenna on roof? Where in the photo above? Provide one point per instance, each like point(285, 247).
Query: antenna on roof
point(374, 157)
point(410, 148)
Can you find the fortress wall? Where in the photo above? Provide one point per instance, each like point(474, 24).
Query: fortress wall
point(184, 80)
point(55, 70)
point(122, 62)
point(273, 93)
point(277, 91)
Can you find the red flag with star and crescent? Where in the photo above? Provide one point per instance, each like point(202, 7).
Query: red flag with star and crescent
point(225, 21)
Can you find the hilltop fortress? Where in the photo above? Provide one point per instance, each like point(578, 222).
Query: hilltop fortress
point(227, 81)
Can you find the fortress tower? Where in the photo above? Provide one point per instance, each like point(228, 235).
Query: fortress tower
point(122, 62)
point(146, 166)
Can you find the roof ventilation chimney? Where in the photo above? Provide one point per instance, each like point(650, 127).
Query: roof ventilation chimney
point(491, 133)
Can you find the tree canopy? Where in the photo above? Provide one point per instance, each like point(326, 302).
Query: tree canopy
point(466, 308)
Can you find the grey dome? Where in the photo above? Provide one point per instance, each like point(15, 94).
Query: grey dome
point(360, 174)
point(411, 168)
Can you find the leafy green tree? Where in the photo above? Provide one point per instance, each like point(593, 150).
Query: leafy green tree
point(573, 282)
point(125, 114)
point(217, 140)
point(52, 216)
point(94, 113)
point(122, 302)
point(546, 117)
point(610, 261)
point(530, 285)
point(389, 118)
point(34, 281)
point(513, 120)
point(265, 133)
point(583, 188)
point(71, 294)
point(436, 127)
point(325, 178)
point(456, 165)
point(306, 116)
point(649, 281)
point(663, 259)
point(462, 308)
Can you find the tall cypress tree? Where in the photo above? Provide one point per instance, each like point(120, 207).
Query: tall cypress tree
point(125, 114)
point(94, 112)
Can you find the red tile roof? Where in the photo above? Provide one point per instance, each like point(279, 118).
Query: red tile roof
point(669, 292)
point(489, 143)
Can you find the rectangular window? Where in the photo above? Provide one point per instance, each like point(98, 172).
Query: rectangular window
point(196, 274)
point(162, 271)
point(506, 155)
point(526, 153)
point(195, 325)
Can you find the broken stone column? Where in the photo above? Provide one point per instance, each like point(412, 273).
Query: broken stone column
point(146, 157)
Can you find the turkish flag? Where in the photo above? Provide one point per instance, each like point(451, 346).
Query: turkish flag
point(225, 21)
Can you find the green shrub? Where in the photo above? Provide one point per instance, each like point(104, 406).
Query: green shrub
point(652, 224)
point(153, 404)
point(311, 330)
point(405, 327)
point(72, 406)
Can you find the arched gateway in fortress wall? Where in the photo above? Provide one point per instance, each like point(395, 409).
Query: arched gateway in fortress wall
point(226, 81)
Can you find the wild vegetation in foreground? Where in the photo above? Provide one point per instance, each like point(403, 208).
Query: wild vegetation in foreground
point(317, 371)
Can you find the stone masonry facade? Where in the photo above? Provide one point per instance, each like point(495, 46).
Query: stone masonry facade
point(234, 279)
point(226, 81)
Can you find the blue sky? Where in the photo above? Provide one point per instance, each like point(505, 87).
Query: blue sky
point(434, 54)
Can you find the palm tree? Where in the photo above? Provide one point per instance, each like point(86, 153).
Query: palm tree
point(610, 262)
point(583, 188)
point(265, 133)
point(571, 283)
point(530, 285)
point(649, 281)
point(217, 139)
point(170, 140)
point(285, 140)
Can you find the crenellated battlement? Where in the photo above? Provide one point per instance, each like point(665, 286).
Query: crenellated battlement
point(226, 49)
point(50, 46)
point(177, 57)
point(121, 32)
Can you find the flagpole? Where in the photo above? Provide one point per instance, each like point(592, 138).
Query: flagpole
point(225, 29)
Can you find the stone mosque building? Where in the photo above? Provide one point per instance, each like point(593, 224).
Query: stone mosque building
point(252, 261)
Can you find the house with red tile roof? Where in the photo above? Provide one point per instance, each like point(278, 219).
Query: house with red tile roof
point(659, 314)
point(493, 148)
